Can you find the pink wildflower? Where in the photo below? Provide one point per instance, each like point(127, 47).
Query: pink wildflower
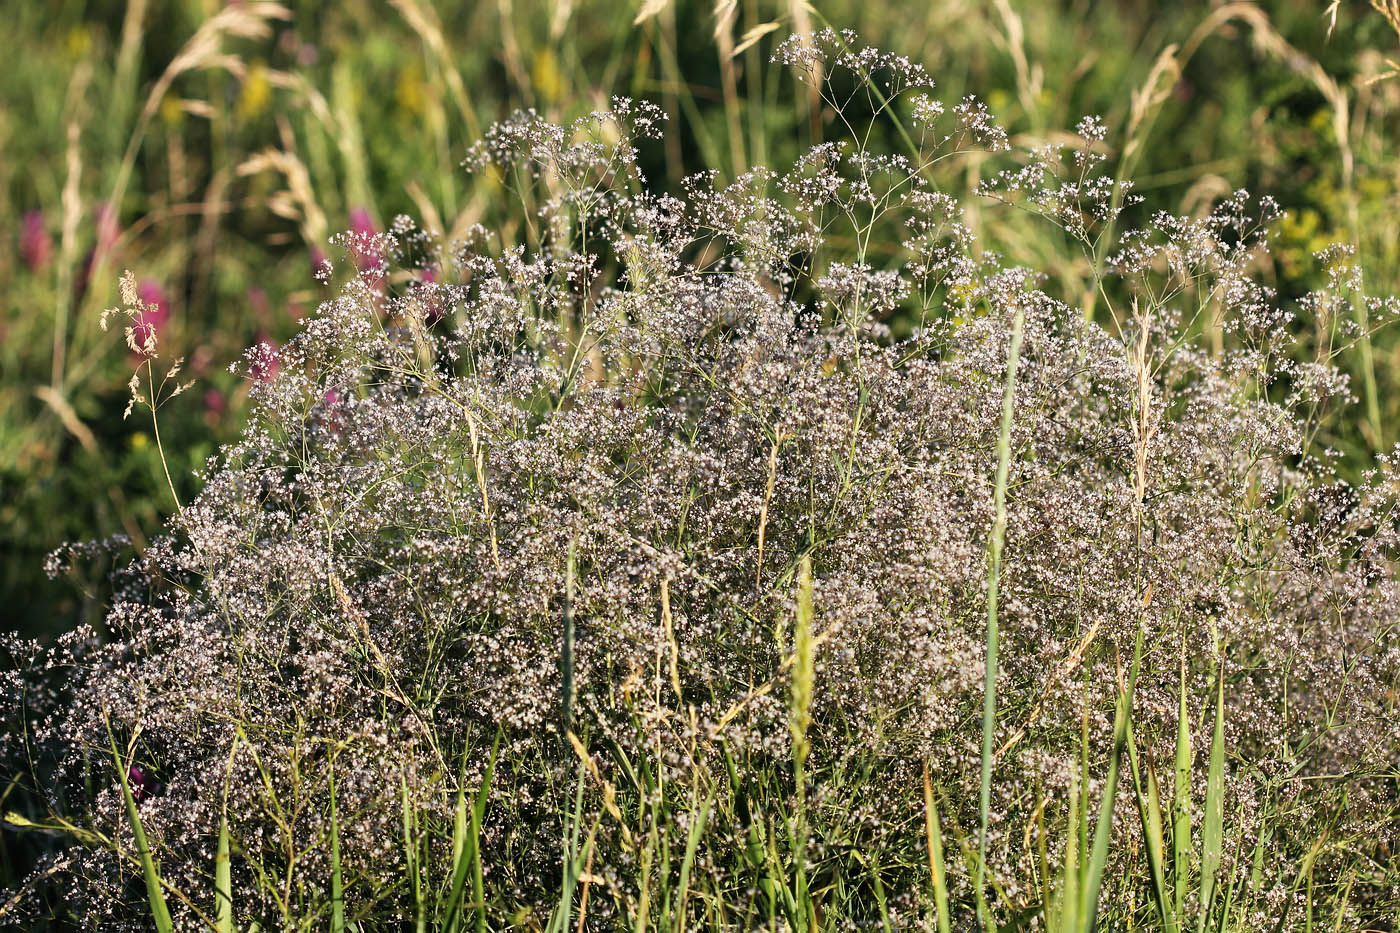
point(320, 265)
point(140, 783)
point(35, 245)
point(263, 363)
point(364, 246)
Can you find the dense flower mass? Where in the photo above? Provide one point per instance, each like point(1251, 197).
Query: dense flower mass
point(559, 493)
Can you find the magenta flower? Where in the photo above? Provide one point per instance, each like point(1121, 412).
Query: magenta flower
point(263, 363)
point(108, 232)
point(140, 783)
point(331, 416)
point(108, 229)
point(364, 240)
point(35, 244)
point(361, 223)
point(261, 307)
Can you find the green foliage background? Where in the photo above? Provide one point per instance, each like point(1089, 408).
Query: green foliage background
point(234, 140)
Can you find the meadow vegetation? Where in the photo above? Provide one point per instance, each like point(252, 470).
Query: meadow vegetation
point(779, 478)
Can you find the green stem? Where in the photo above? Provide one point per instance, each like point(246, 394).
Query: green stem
point(155, 427)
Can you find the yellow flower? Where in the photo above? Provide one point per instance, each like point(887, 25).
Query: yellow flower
point(409, 93)
point(546, 74)
point(78, 42)
point(256, 92)
point(171, 111)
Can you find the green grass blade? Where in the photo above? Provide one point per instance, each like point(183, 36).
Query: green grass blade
point(691, 843)
point(1150, 813)
point(995, 541)
point(451, 918)
point(1181, 795)
point(1212, 827)
point(474, 836)
point(160, 912)
point(337, 880)
point(1122, 735)
point(1231, 886)
point(571, 863)
point(466, 848)
point(411, 848)
point(777, 880)
point(1042, 856)
point(936, 868)
point(799, 721)
point(881, 899)
point(223, 864)
point(460, 813)
point(1068, 913)
point(1084, 849)
point(223, 882)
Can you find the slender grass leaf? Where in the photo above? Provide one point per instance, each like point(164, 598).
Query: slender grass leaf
point(1213, 821)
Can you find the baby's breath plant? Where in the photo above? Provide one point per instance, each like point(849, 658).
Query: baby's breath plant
point(648, 571)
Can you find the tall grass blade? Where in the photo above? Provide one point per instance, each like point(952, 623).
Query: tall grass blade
point(223, 882)
point(570, 863)
point(337, 879)
point(936, 867)
point(1230, 888)
point(1181, 795)
point(1084, 848)
point(474, 836)
point(452, 912)
point(223, 866)
point(691, 843)
point(411, 853)
point(1122, 725)
point(800, 720)
point(466, 848)
point(1212, 827)
point(881, 899)
point(1070, 904)
point(160, 912)
point(995, 541)
point(1150, 812)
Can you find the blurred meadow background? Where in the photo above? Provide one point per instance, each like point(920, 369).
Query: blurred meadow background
point(214, 149)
